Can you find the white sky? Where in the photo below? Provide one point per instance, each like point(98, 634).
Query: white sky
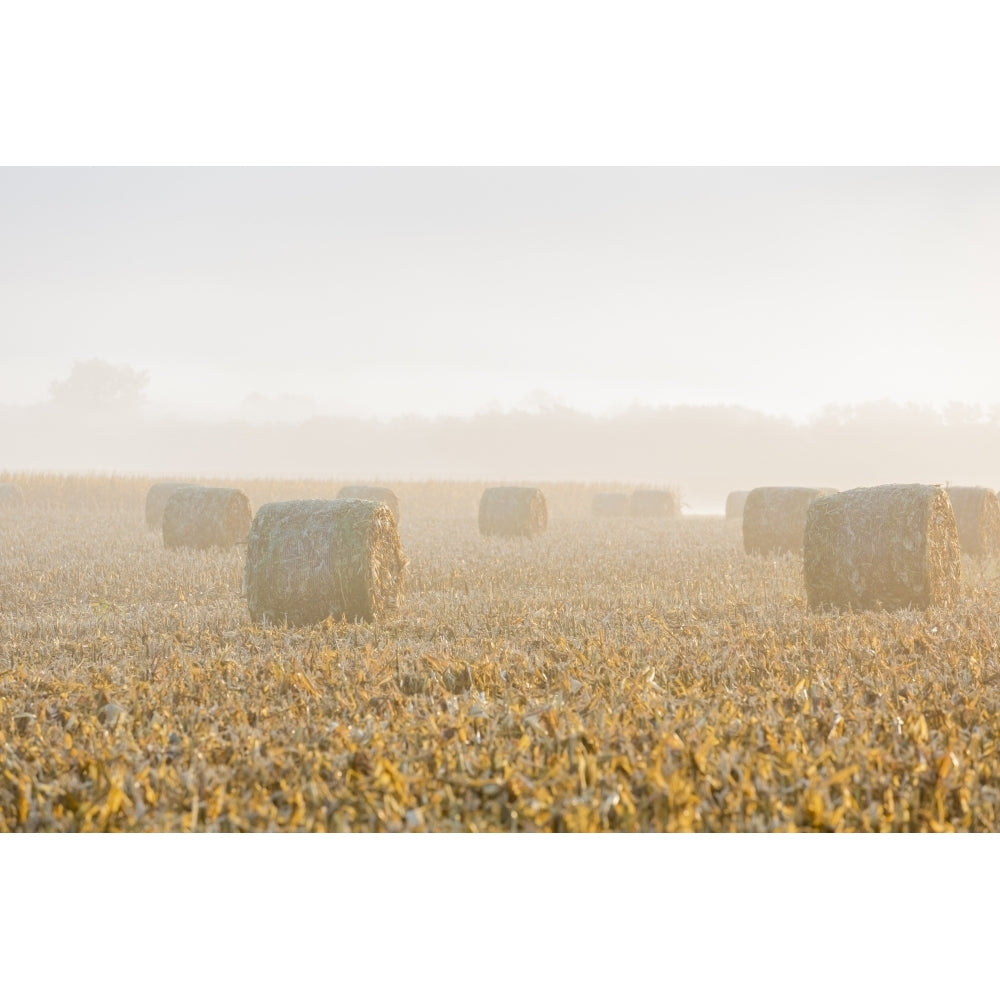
point(450, 290)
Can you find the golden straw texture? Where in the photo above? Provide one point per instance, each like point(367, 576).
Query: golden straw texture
point(893, 546)
point(308, 560)
point(201, 517)
point(774, 518)
point(512, 510)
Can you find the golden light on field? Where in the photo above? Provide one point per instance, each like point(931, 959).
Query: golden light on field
point(632, 674)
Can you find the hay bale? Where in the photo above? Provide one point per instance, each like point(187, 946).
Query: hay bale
point(156, 500)
point(977, 516)
point(735, 503)
point(512, 510)
point(774, 518)
point(610, 504)
point(199, 517)
point(10, 496)
point(308, 560)
point(380, 494)
point(653, 503)
point(888, 547)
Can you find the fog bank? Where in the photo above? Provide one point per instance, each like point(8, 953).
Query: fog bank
point(703, 451)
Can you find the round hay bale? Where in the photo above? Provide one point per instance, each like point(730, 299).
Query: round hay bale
point(610, 504)
point(512, 510)
point(10, 496)
point(308, 560)
point(887, 547)
point(156, 500)
point(774, 518)
point(735, 503)
point(977, 516)
point(380, 494)
point(653, 503)
point(199, 517)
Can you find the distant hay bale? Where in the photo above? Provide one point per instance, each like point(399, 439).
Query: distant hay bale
point(380, 494)
point(512, 510)
point(977, 517)
point(10, 496)
point(774, 518)
point(610, 504)
point(653, 503)
point(156, 500)
point(199, 517)
point(887, 547)
point(735, 503)
point(308, 560)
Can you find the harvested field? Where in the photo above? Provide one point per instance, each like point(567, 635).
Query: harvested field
point(11, 496)
point(653, 678)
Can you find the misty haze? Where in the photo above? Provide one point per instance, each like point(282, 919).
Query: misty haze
point(509, 500)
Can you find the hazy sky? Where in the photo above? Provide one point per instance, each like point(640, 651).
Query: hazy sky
point(385, 291)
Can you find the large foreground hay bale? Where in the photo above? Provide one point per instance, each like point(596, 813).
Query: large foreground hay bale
point(774, 518)
point(653, 503)
point(156, 501)
point(512, 510)
point(977, 517)
point(10, 496)
point(886, 547)
point(610, 504)
point(199, 517)
point(380, 494)
point(308, 560)
point(735, 503)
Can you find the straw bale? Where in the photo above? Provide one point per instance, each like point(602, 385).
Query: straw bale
point(610, 504)
point(512, 510)
point(381, 494)
point(890, 547)
point(199, 517)
point(977, 516)
point(774, 518)
point(10, 496)
point(308, 560)
point(156, 500)
point(653, 503)
point(735, 503)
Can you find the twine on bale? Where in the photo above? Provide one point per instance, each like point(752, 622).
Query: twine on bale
point(381, 494)
point(610, 504)
point(156, 501)
point(201, 517)
point(977, 517)
point(888, 547)
point(512, 510)
point(308, 560)
point(653, 503)
point(774, 518)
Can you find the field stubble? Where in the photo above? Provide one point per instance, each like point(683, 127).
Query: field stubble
point(611, 674)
